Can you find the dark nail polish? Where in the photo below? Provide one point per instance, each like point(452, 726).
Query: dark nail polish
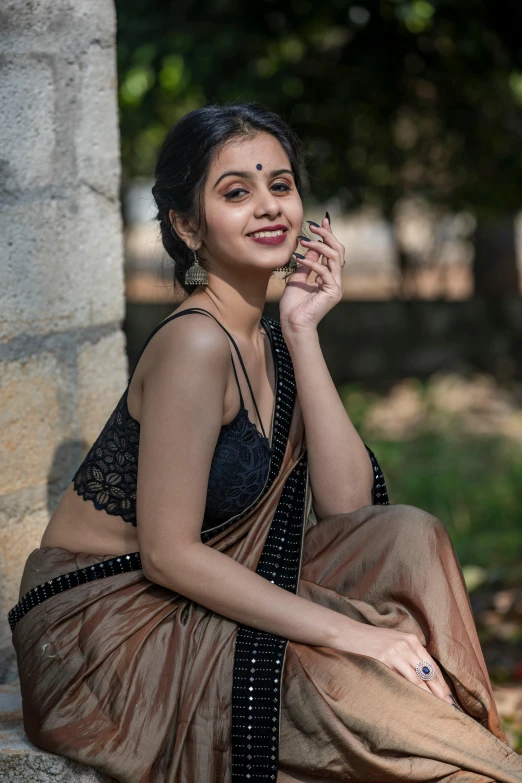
point(307, 239)
point(455, 704)
point(313, 224)
point(328, 219)
point(298, 255)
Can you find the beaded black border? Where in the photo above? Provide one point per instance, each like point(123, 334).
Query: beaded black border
point(380, 491)
point(116, 565)
point(259, 655)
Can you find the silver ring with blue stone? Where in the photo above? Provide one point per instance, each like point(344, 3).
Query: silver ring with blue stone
point(425, 670)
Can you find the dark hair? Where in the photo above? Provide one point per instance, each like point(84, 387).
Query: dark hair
point(185, 157)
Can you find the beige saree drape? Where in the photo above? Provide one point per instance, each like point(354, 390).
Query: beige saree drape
point(147, 686)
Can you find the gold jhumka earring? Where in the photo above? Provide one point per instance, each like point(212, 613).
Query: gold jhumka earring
point(195, 274)
point(290, 266)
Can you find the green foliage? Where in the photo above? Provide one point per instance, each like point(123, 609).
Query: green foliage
point(472, 483)
point(405, 96)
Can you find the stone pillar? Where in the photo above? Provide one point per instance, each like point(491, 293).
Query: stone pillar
point(62, 351)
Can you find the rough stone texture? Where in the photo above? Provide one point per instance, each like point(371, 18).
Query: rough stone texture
point(101, 365)
point(59, 167)
point(62, 264)
point(97, 148)
point(28, 134)
point(21, 761)
point(18, 542)
point(62, 360)
point(30, 420)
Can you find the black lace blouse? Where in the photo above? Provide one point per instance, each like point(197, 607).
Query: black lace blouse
point(240, 464)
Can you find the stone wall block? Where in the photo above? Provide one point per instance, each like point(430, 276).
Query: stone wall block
point(60, 25)
point(18, 542)
point(97, 136)
point(31, 420)
point(28, 131)
point(62, 358)
point(32, 17)
point(102, 379)
point(63, 265)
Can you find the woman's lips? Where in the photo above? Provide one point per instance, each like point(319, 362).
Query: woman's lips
point(275, 240)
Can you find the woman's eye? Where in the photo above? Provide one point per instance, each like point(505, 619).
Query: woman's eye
point(234, 193)
point(280, 187)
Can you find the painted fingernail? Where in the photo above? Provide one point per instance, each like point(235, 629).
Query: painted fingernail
point(328, 219)
point(306, 239)
point(298, 255)
point(313, 224)
point(454, 704)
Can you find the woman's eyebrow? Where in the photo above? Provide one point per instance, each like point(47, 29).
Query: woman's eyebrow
point(248, 175)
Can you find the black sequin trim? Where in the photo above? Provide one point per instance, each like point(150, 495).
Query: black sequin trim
point(259, 656)
point(116, 565)
point(379, 491)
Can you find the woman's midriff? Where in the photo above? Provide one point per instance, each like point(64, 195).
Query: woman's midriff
point(78, 526)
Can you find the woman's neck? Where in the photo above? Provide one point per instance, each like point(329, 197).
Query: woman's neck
point(238, 311)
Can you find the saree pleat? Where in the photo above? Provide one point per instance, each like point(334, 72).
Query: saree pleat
point(148, 686)
point(347, 716)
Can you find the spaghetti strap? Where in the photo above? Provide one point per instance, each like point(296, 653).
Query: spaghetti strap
point(206, 312)
point(241, 400)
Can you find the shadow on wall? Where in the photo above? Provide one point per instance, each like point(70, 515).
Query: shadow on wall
point(66, 460)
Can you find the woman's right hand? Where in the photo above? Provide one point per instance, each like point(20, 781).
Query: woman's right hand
point(400, 651)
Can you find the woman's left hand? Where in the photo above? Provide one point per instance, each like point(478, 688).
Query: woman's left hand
point(304, 303)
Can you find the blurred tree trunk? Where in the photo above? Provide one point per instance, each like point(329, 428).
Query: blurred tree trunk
point(495, 266)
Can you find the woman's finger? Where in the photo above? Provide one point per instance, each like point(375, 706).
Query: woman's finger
point(436, 685)
point(330, 256)
point(320, 247)
point(312, 253)
point(301, 273)
point(323, 249)
point(322, 270)
point(328, 237)
point(403, 667)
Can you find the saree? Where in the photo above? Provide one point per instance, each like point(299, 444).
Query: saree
point(147, 686)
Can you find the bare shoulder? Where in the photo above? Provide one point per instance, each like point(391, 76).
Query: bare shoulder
point(191, 335)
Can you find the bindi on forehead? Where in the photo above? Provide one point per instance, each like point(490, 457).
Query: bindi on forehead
point(259, 167)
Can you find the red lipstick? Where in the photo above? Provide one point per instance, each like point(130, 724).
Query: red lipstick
point(274, 240)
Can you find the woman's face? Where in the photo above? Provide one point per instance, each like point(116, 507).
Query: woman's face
point(251, 189)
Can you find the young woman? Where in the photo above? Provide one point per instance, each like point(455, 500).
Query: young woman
point(263, 614)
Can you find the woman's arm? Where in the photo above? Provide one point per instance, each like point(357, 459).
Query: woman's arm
point(214, 580)
point(341, 473)
point(181, 414)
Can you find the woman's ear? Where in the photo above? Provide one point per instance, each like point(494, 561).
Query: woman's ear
point(182, 228)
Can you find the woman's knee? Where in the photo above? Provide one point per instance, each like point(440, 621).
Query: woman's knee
point(415, 523)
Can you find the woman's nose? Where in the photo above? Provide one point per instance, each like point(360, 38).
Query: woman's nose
point(268, 205)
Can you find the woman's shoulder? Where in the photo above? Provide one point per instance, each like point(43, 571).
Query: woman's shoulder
point(181, 340)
